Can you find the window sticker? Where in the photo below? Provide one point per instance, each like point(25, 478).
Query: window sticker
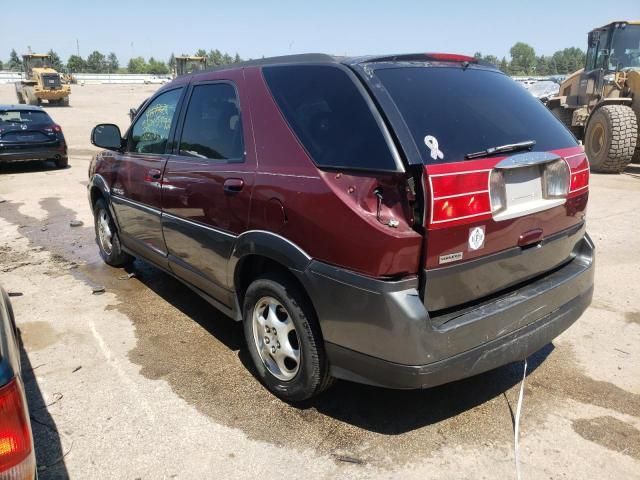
point(432, 144)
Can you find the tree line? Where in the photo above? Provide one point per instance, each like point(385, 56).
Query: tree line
point(524, 61)
point(97, 62)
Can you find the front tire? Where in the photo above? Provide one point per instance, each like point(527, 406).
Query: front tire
point(107, 237)
point(611, 137)
point(284, 339)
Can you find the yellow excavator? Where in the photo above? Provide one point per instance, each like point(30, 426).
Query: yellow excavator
point(42, 82)
point(600, 103)
point(189, 64)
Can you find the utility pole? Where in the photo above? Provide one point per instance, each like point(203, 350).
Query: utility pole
point(77, 47)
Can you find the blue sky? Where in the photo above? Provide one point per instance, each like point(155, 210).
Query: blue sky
point(255, 28)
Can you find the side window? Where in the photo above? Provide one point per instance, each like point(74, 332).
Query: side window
point(329, 116)
point(151, 131)
point(212, 127)
point(600, 55)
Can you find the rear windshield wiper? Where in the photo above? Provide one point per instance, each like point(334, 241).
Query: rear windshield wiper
point(512, 147)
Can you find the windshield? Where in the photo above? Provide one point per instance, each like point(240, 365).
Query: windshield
point(625, 48)
point(24, 116)
point(453, 111)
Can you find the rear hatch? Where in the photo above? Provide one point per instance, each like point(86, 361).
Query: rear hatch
point(493, 219)
point(27, 128)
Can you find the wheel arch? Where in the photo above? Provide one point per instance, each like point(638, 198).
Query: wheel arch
point(98, 188)
point(256, 252)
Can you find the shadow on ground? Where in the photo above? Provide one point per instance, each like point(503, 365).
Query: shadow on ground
point(28, 167)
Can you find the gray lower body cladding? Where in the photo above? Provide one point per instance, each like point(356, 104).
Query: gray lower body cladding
point(380, 333)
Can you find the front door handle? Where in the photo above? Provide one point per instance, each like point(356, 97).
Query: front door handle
point(233, 185)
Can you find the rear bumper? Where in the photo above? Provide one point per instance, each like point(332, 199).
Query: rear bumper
point(380, 332)
point(32, 154)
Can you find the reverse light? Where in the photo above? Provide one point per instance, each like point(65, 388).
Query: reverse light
point(555, 179)
point(497, 191)
point(17, 460)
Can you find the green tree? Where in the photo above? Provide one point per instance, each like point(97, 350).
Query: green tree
point(237, 58)
point(1, 65)
point(492, 59)
point(542, 66)
point(15, 64)
point(112, 63)
point(137, 65)
point(76, 64)
point(523, 59)
point(55, 61)
point(504, 65)
point(96, 62)
point(227, 59)
point(156, 67)
point(214, 58)
point(201, 53)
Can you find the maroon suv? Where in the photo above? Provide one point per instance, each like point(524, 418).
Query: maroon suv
point(400, 221)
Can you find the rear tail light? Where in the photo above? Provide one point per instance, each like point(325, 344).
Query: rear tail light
point(555, 179)
point(17, 460)
point(53, 128)
point(579, 182)
point(456, 197)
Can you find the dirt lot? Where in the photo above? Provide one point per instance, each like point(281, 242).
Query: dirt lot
point(148, 381)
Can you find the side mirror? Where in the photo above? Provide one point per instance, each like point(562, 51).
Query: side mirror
point(106, 135)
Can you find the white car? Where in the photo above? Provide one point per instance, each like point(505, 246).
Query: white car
point(156, 80)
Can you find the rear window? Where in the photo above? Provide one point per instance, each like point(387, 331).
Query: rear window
point(24, 116)
point(330, 117)
point(452, 111)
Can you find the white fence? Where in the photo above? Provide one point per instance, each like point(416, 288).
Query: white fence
point(88, 78)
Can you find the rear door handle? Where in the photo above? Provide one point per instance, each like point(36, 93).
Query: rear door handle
point(233, 185)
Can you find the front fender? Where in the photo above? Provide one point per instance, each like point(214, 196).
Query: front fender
point(97, 183)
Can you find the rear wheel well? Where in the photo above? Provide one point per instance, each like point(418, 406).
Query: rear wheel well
point(252, 267)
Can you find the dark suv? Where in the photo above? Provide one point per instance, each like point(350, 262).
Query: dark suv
point(400, 221)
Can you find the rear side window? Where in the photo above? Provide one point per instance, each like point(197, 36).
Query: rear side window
point(330, 117)
point(212, 127)
point(452, 111)
point(151, 130)
point(24, 116)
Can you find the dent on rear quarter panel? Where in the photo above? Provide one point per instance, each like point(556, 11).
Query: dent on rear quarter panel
point(325, 213)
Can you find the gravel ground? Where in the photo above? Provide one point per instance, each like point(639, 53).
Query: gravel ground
point(148, 381)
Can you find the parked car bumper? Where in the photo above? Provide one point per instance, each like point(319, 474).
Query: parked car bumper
point(22, 155)
point(380, 333)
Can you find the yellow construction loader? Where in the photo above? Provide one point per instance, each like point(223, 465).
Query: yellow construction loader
point(42, 82)
point(601, 102)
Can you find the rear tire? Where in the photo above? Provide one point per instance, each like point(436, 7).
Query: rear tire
point(31, 97)
point(299, 379)
point(20, 99)
point(62, 162)
point(611, 137)
point(107, 237)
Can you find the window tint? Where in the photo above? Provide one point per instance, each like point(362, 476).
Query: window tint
point(212, 127)
point(151, 131)
point(452, 111)
point(330, 117)
point(24, 116)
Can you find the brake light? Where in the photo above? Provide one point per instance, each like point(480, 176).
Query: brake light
point(452, 57)
point(579, 182)
point(53, 128)
point(458, 196)
point(17, 460)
